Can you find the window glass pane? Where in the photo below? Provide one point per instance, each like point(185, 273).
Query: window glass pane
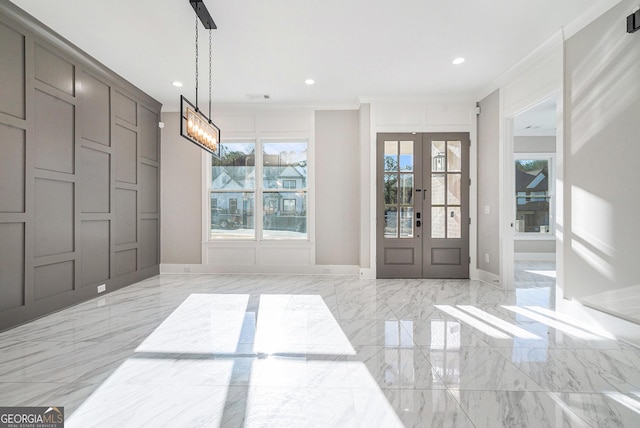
point(406, 222)
point(232, 215)
point(235, 170)
point(406, 155)
point(532, 196)
point(454, 223)
point(390, 189)
point(532, 214)
point(453, 189)
point(437, 222)
point(390, 155)
point(406, 188)
point(391, 222)
point(284, 162)
point(454, 153)
point(284, 215)
point(437, 189)
point(437, 156)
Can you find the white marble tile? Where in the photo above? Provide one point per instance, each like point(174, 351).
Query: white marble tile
point(611, 409)
point(398, 368)
point(338, 351)
point(365, 331)
point(427, 408)
point(514, 409)
point(64, 362)
point(300, 372)
point(294, 324)
point(202, 324)
point(67, 395)
point(478, 369)
point(116, 405)
point(575, 370)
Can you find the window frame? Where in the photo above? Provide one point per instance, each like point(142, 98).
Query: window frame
point(260, 190)
point(551, 162)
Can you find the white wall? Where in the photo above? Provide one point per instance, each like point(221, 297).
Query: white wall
point(333, 218)
point(488, 262)
point(602, 165)
point(601, 72)
point(431, 114)
point(337, 187)
point(542, 144)
point(181, 197)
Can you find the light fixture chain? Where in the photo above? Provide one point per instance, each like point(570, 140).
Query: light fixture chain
point(209, 74)
point(196, 62)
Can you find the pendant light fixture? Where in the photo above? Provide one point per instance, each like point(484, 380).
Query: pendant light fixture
point(195, 126)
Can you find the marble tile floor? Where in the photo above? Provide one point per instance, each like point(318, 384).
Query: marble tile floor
point(322, 351)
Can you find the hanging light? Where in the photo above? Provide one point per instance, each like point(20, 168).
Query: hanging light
point(195, 126)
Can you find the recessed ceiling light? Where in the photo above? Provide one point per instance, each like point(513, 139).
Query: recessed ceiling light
point(457, 61)
point(177, 84)
point(309, 81)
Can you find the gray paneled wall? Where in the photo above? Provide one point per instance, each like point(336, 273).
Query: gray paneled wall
point(79, 174)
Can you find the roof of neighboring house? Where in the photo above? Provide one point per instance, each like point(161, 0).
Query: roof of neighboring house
point(527, 182)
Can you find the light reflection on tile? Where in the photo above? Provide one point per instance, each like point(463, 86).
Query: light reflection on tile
point(286, 350)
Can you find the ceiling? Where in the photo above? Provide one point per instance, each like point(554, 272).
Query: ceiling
point(352, 49)
point(539, 120)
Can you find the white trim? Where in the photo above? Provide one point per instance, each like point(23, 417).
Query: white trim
point(551, 158)
point(262, 249)
point(506, 246)
point(544, 257)
point(623, 330)
point(181, 268)
point(367, 273)
point(489, 278)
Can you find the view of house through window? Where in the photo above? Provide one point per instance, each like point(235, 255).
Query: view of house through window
point(284, 190)
point(533, 196)
point(282, 186)
point(233, 191)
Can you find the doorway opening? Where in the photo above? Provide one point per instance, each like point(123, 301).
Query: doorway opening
point(534, 202)
point(422, 205)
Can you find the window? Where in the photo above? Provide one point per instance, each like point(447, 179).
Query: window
point(233, 192)
point(237, 185)
point(398, 189)
point(284, 190)
point(289, 206)
point(534, 199)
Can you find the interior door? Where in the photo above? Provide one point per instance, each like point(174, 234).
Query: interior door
point(422, 205)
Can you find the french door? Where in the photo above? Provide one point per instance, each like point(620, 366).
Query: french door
point(422, 205)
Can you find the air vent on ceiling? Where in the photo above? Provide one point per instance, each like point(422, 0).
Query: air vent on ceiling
point(258, 96)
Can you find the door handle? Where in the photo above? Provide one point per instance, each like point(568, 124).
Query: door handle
point(418, 223)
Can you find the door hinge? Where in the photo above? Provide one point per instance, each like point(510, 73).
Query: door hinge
point(469, 220)
point(469, 259)
point(469, 182)
point(478, 110)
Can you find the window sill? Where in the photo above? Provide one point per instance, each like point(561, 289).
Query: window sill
point(534, 236)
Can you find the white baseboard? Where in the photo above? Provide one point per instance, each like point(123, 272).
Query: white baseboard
point(367, 273)
point(173, 268)
point(489, 278)
point(623, 330)
point(544, 257)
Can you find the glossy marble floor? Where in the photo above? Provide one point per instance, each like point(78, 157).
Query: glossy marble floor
point(322, 351)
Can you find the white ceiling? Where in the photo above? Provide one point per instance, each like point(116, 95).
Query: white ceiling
point(353, 48)
point(539, 120)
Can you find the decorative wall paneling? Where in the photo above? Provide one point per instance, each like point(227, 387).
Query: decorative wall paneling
point(79, 174)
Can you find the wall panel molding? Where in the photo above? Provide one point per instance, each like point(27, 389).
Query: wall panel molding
point(69, 128)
